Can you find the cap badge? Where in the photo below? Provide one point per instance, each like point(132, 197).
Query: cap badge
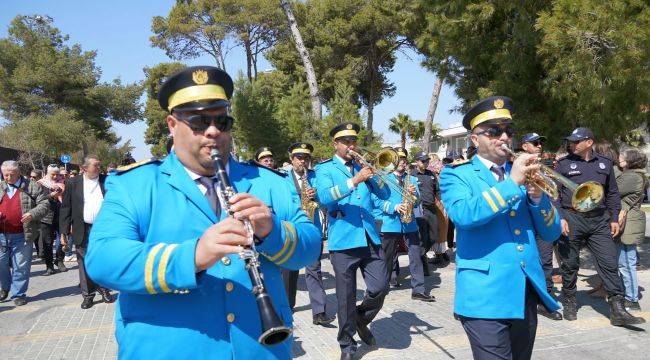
point(498, 103)
point(601, 165)
point(200, 77)
point(304, 146)
point(573, 166)
point(349, 127)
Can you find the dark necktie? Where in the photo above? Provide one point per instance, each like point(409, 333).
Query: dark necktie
point(350, 166)
point(211, 194)
point(499, 171)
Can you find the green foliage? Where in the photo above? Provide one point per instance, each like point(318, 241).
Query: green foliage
point(564, 62)
point(404, 126)
point(157, 131)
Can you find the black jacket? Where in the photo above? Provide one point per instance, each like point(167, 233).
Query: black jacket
point(71, 215)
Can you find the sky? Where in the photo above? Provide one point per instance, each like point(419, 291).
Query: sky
point(119, 31)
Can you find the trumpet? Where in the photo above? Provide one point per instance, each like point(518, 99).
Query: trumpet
point(585, 197)
point(382, 164)
point(273, 329)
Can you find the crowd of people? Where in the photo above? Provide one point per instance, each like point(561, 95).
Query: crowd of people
point(178, 240)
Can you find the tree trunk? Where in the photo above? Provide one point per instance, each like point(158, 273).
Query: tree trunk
point(403, 138)
point(433, 105)
point(249, 60)
point(371, 109)
point(314, 94)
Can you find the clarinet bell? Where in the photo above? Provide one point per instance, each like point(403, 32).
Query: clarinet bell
point(273, 329)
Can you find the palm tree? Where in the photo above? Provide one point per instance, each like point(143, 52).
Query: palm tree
point(401, 124)
point(416, 132)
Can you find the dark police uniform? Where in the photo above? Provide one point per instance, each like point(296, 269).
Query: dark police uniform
point(143, 243)
point(429, 192)
point(353, 242)
point(499, 278)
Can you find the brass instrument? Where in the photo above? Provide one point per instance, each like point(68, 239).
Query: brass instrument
point(273, 329)
point(586, 196)
point(308, 205)
point(408, 202)
point(382, 164)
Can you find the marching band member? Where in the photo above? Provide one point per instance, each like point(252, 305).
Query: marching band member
point(499, 278)
point(162, 239)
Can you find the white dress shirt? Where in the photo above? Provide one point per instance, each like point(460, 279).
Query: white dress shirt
point(93, 199)
point(11, 188)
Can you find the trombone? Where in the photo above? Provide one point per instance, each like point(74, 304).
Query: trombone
point(382, 164)
point(586, 196)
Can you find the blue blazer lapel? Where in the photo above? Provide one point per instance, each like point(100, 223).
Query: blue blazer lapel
point(483, 172)
point(339, 165)
point(181, 181)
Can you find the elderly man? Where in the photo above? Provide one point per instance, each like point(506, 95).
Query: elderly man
point(22, 205)
point(53, 187)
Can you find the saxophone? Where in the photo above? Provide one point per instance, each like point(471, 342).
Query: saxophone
point(407, 201)
point(308, 205)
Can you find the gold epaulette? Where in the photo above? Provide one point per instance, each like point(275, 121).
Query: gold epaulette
point(459, 162)
point(125, 168)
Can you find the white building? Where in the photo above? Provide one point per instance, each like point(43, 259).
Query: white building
point(454, 138)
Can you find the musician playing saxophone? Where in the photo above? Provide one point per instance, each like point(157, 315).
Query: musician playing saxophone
point(303, 184)
point(164, 239)
point(399, 223)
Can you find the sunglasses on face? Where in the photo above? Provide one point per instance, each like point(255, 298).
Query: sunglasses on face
point(302, 157)
point(201, 122)
point(537, 143)
point(497, 131)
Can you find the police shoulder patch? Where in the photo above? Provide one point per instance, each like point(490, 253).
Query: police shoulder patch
point(256, 164)
point(459, 162)
point(126, 168)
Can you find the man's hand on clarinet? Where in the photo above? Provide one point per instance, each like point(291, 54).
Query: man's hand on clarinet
point(246, 206)
point(223, 238)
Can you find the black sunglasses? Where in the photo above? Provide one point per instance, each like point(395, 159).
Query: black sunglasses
point(302, 156)
point(537, 142)
point(497, 131)
point(201, 122)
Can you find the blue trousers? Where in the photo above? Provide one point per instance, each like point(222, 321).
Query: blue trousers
point(15, 264)
point(627, 260)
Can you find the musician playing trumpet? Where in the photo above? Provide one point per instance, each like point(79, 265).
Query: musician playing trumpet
point(499, 278)
point(303, 185)
point(165, 239)
point(399, 223)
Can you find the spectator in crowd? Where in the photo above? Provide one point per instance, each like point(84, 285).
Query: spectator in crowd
point(632, 184)
point(53, 187)
point(82, 198)
point(73, 173)
point(110, 168)
point(22, 205)
point(64, 175)
point(35, 175)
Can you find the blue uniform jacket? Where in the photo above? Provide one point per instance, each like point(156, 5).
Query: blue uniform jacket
point(496, 249)
point(142, 244)
point(311, 179)
point(391, 222)
point(349, 210)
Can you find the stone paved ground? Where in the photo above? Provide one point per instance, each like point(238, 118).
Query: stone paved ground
point(52, 326)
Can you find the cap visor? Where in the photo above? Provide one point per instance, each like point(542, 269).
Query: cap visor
point(202, 105)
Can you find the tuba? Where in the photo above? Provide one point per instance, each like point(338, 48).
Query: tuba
point(586, 196)
point(382, 163)
point(308, 205)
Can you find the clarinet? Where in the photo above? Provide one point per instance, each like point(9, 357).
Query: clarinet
point(273, 329)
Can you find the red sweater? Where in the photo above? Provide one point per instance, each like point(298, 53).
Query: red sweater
point(10, 214)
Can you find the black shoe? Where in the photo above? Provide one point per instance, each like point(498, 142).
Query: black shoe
point(423, 297)
point(445, 257)
point(49, 271)
point(322, 319)
point(87, 303)
point(106, 295)
point(618, 316)
point(20, 301)
point(394, 284)
point(437, 260)
point(365, 334)
point(347, 356)
point(570, 308)
point(3, 295)
point(555, 315)
point(632, 305)
point(61, 266)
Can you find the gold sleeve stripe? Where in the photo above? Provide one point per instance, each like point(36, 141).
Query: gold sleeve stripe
point(497, 196)
point(380, 182)
point(338, 192)
point(386, 206)
point(551, 216)
point(490, 201)
point(162, 267)
point(294, 242)
point(148, 268)
point(287, 241)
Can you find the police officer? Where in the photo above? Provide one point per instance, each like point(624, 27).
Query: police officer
point(345, 188)
point(498, 272)
point(264, 156)
point(429, 195)
point(393, 229)
point(302, 177)
point(532, 143)
point(163, 240)
point(595, 228)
